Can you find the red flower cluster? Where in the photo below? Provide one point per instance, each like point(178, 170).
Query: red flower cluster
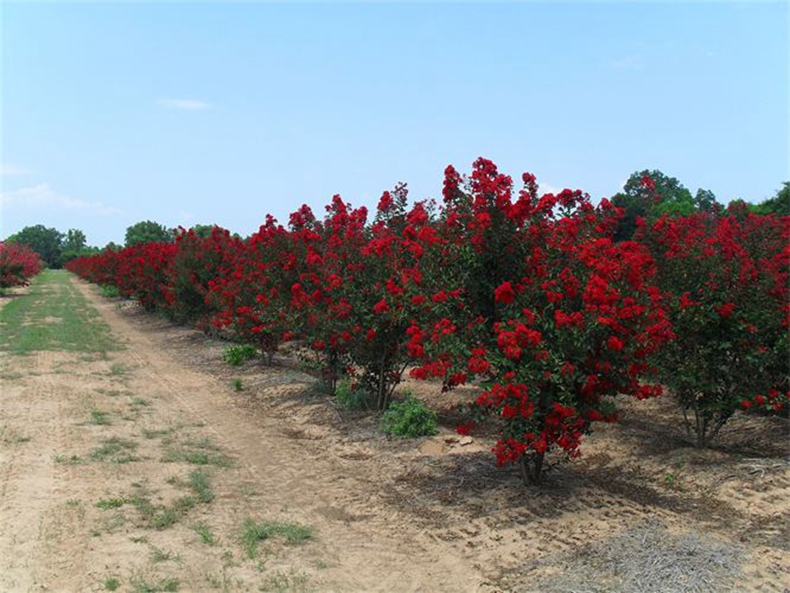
point(18, 264)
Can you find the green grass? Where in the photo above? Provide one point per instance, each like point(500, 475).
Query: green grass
point(205, 533)
point(118, 368)
point(111, 503)
point(160, 555)
point(201, 452)
point(11, 437)
point(142, 586)
point(112, 583)
point(53, 315)
point(115, 450)
point(154, 433)
point(282, 582)
point(200, 483)
point(70, 460)
point(100, 418)
point(162, 517)
point(254, 533)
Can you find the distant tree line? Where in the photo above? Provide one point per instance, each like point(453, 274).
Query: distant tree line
point(56, 248)
point(666, 195)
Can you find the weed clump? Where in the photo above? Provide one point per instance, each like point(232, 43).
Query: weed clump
point(408, 419)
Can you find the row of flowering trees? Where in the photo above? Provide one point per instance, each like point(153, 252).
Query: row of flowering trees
point(18, 264)
point(526, 296)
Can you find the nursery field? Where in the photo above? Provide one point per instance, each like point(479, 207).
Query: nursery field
point(134, 458)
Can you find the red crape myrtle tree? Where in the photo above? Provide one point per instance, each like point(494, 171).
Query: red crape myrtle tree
point(18, 264)
point(101, 268)
point(252, 293)
point(727, 284)
point(142, 273)
point(197, 262)
point(364, 288)
point(572, 319)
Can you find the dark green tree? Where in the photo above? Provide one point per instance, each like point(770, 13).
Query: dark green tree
point(661, 195)
point(705, 201)
point(74, 245)
point(778, 204)
point(47, 242)
point(147, 231)
point(203, 230)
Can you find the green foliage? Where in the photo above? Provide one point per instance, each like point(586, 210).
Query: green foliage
point(75, 245)
point(705, 201)
point(202, 452)
point(203, 230)
point(147, 231)
point(408, 419)
point(778, 204)
point(47, 242)
point(205, 533)
point(257, 532)
point(354, 398)
point(110, 291)
point(236, 355)
point(111, 503)
point(670, 197)
point(200, 483)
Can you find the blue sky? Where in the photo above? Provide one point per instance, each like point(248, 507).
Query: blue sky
point(220, 113)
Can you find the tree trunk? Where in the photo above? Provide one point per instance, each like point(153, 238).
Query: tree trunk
point(532, 468)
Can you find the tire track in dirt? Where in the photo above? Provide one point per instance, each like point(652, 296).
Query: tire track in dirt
point(34, 529)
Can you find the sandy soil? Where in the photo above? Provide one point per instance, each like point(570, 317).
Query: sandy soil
point(430, 514)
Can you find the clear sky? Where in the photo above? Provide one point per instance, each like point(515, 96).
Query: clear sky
point(220, 113)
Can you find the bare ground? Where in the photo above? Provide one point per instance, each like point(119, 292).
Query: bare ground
point(640, 511)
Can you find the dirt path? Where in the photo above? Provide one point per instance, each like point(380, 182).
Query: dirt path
point(54, 537)
point(137, 470)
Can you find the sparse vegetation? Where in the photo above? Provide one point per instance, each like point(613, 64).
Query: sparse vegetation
point(100, 418)
point(111, 503)
point(160, 555)
point(202, 452)
point(254, 533)
point(206, 535)
point(200, 483)
point(69, 459)
point(166, 585)
point(115, 450)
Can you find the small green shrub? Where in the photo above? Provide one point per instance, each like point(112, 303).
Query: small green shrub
point(236, 355)
point(354, 399)
point(408, 419)
point(110, 291)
